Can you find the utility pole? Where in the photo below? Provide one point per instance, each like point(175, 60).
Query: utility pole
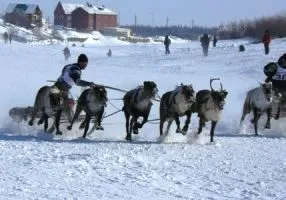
point(193, 23)
point(135, 20)
point(167, 21)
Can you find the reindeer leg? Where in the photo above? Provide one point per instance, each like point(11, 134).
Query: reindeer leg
point(214, 123)
point(34, 113)
point(57, 122)
point(82, 124)
point(169, 125)
point(201, 124)
point(135, 125)
point(187, 122)
point(127, 117)
point(87, 121)
point(278, 113)
point(177, 120)
point(42, 118)
point(161, 125)
point(46, 122)
point(51, 130)
point(76, 115)
point(145, 118)
point(269, 114)
point(100, 115)
point(256, 118)
point(128, 137)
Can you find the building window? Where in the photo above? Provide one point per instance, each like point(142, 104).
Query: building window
point(69, 17)
point(36, 17)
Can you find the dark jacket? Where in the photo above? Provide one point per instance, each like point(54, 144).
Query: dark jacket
point(205, 40)
point(266, 38)
point(167, 41)
point(276, 74)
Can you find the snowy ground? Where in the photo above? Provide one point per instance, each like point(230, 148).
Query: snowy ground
point(104, 166)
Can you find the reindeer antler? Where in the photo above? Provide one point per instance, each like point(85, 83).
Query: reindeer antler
point(211, 80)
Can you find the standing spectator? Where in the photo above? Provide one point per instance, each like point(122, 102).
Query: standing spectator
point(167, 43)
point(67, 53)
point(109, 53)
point(205, 42)
point(5, 37)
point(266, 41)
point(214, 41)
point(10, 38)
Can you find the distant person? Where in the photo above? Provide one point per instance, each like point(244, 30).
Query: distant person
point(241, 48)
point(214, 41)
point(167, 43)
point(205, 42)
point(67, 53)
point(109, 53)
point(5, 37)
point(10, 38)
point(266, 41)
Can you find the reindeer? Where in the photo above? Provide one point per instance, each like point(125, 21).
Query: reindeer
point(92, 101)
point(50, 101)
point(19, 114)
point(137, 103)
point(259, 100)
point(209, 105)
point(175, 104)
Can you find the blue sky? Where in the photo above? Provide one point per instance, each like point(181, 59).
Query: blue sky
point(155, 12)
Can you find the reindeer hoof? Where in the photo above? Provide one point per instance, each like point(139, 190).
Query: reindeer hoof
point(69, 128)
point(267, 126)
point(51, 130)
point(139, 125)
point(41, 121)
point(128, 138)
point(31, 123)
point(99, 128)
point(252, 121)
point(135, 131)
point(59, 133)
point(184, 132)
point(178, 130)
point(81, 126)
point(276, 117)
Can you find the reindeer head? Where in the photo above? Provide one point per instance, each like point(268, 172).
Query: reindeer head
point(100, 93)
point(218, 96)
point(150, 88)
point(267, 90)
point(189, 93)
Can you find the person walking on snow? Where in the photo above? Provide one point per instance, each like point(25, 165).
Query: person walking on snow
point(167, 43)
point(67, 53)
point(266, 41)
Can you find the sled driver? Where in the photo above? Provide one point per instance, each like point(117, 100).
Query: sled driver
point(71, 75)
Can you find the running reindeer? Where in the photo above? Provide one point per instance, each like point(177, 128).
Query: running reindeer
point(259, 100)
point(50, 101)
point(137, 103)
point(175, 104)
point(92, 101)
point(209, 105)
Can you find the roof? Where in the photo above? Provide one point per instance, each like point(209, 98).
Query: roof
point(91, 9)
point(22, 8)
point(68, 8)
